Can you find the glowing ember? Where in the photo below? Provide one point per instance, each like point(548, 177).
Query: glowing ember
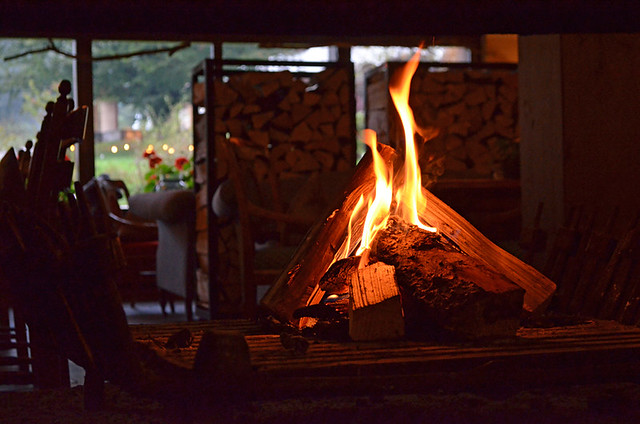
point(408, 197)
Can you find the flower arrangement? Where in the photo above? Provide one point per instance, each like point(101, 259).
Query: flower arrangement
point(181, 170)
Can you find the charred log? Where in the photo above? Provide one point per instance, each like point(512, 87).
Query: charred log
point(445, 291)
point(336, 279)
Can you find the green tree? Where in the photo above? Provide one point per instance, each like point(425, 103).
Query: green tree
point(27, 82)
point(152, 83)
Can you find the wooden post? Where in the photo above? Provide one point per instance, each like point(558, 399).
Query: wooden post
point(578, 105)
point(83, 95)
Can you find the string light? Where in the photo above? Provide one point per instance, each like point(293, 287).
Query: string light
point(126, 146)
point(114, 149)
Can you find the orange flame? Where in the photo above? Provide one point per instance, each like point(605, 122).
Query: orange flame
point(379, 206)
point(408, 196)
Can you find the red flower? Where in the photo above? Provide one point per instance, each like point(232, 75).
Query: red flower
point(154, 160)
point(180, 162)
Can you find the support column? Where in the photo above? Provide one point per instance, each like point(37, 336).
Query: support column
point(83, 95)
point(541, 137)
point(579, 102)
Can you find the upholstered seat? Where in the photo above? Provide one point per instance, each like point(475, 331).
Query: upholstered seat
point(174, 213)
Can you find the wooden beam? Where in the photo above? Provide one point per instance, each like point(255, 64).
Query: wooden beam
point(356, 22)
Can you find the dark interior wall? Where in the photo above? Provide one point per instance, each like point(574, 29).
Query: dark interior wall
point(579, 115)
point(601, 92)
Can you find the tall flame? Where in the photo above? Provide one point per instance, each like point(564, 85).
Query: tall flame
point(379, 206)
point(408, 196)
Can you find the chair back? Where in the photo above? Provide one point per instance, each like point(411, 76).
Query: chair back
point(114, 191)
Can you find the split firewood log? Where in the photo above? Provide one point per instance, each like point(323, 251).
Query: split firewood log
point(375, 308)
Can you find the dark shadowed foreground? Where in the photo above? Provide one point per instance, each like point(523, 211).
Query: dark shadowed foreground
point(597, 403)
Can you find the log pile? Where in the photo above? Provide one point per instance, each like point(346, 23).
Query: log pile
point(295, 125)
point(596, 268)
point(475, 111)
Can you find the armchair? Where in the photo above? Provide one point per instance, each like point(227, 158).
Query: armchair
point(174, 213)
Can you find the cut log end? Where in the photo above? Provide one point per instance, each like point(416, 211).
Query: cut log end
point(375, 308)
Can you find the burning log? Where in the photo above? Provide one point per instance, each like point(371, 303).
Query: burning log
point(445, 290)
point(375, 309)
point(538, 288)
point(336, 279)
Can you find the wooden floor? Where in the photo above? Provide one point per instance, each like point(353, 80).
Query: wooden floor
point(594, 351)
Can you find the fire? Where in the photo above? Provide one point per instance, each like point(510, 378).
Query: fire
point(408, 196)
point(380, 205)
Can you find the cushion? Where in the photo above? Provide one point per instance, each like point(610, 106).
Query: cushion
point(169, 206)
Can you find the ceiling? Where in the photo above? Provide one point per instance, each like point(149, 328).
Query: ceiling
point(311, 21)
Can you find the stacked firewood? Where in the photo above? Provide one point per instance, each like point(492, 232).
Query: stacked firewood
point(294, 124)
point(595, 266)
point(475, 112)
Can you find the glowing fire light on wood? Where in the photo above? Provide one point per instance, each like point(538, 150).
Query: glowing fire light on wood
point(378, 210)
